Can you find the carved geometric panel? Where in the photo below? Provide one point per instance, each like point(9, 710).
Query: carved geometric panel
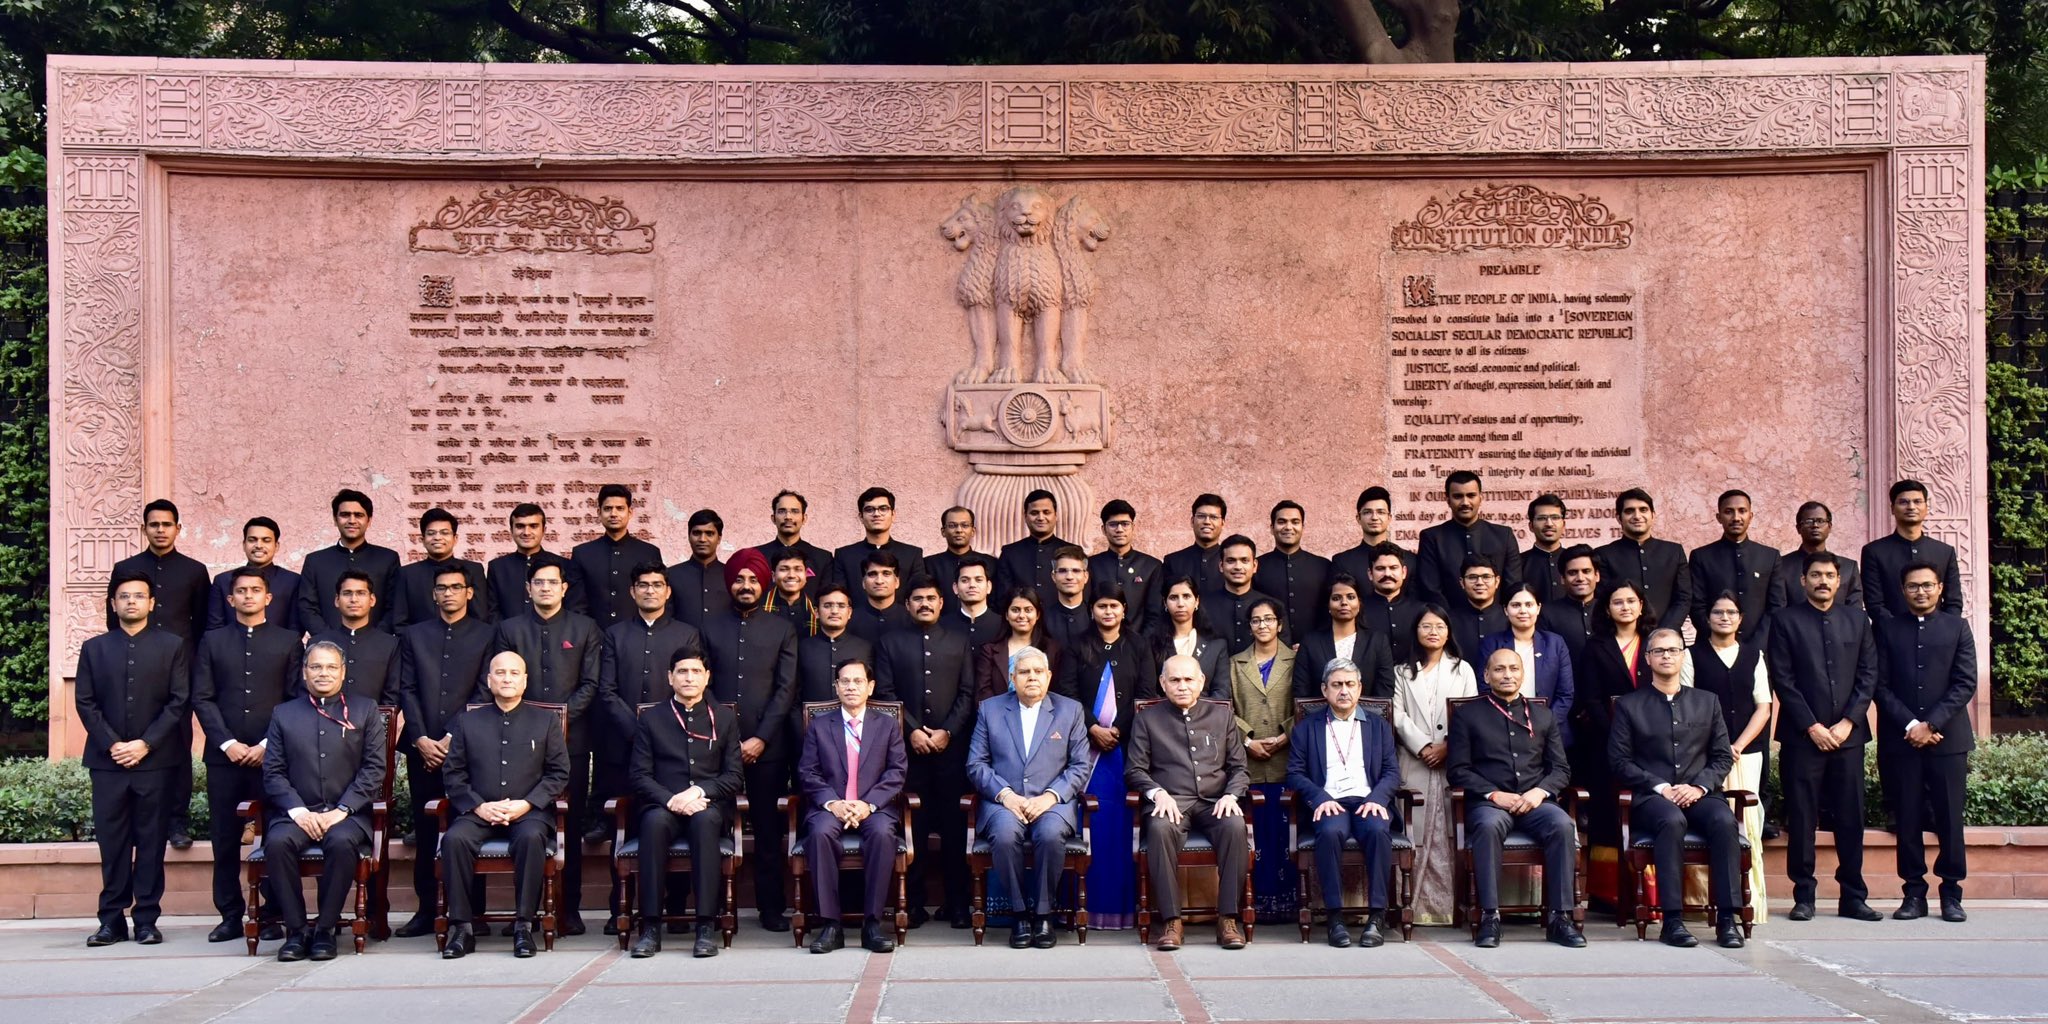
point(1314, 118)
point(850, 118)
point(636, 117)
point(286, 115)
point(1449, 116)
point(1025, 117)
point(1932, 108)
point(171, 110)
point(1180, 117)
point(1582, 114)
point(1780, 112)
point(102, 182)
point(91, 551)
point(462, 130)
point(99, 110)
point(1932, 179)
point(1861, 114)
point(734, 111)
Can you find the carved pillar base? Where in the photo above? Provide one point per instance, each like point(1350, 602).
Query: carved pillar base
point(996, 485)
point(1022, 437)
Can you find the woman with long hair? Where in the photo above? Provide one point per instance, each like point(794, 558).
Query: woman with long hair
point(1020, 610)
point(1615, 665)
point(1422, 689)
point(1262, 696)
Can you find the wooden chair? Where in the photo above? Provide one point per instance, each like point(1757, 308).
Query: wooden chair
point(1639, 852)
point(1198, 852)
point(626, 863)
point(1519, 851)
point(1401, 885)
point(1079, 858)
point(495, 858)
point(795, 805)
point(255, 865)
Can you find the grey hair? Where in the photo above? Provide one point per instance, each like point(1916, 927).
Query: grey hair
point(1027, 651)
point(1652, 638)
point(1337, 665)
point(331, 646)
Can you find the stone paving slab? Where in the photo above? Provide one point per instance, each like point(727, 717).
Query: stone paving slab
point(141, 974)
point(1672, 996)
point(80, 1009)
point(357, 1006)
point(1965, 998)
point(736, 1003)
point(1039, 1000)
point(1994, 958)
point(1377, 999)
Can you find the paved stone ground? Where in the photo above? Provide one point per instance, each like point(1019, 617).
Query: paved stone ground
point(1993, 968)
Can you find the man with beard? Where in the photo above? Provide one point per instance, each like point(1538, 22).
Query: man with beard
point(931, 670)
point(753, 664)
point(604, 564)
point(1442, 548)
point(1141, 575)
point(788, 512)
point(1391, 609)
point(1734, 564)
point(1376, 527)
point(1298, 578)
point(1226, 606)
point(372, 653)
point(353, 552)
point(1578, 613)
point(1814, 522)
point(1541, 566)
point(877, 508)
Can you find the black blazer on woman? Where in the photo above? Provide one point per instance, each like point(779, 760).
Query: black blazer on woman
point(1130, 663)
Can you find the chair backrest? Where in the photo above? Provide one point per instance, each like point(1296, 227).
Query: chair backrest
point(1451, 705)
point(1380, 706)
point(732, 706)
point(1149, 701)
point(389, 714)
point(892, 708)
point(561, 711)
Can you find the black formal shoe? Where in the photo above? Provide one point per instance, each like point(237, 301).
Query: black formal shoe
point(1042, 934)
point(572, 924)
point(707, 941)
point(1801, 912)
point(874, 939)
point(597, 834)
point(830, 937)
point(226, 931)
point(148, 935)
point(181, 839)
point(1372, 936)
point(1952, 910)
point(1562, 933)
point(269, 931)
point(775, 922)
point(414, 927)
point(1857, 910)
point(294, 948)
point(1339, 936)
point(918, 916)
point(1020, 933)
point(1675, 933)
point(522, 940)
point(503, 929)
point(1728, 933)
point(963, 918)
point(647, 943)
point(324, 946)
point(461, 940)
point(678, 928)
point(1912, 908)
point(611, 926)
point(108, 935)
point(1772, 832)
point(1489, 930)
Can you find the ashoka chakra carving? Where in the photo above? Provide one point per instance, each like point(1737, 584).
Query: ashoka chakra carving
point(1027, 418)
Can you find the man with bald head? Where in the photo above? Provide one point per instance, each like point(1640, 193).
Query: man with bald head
point(1508, 757)
point(1029, 761)
point(1187, 760)
point(507, 762)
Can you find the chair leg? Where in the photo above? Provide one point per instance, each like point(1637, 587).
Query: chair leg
point(1144, 902)
point(551, 898)
point(978, 910)
point(798, 919)
point(628, 916)
point(253, 927)
point(1081, 910)
point(1247, 913)
point(903, 905)
point(1306, 916)
point(729, 920)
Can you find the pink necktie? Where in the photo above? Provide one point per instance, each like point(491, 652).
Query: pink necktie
point(852, 759)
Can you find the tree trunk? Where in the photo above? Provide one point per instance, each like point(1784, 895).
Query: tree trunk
point(1432, 30)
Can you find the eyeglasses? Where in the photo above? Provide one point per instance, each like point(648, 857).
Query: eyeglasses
point(1265, 620)
point(1665, 652)
point(650, 584)
point(1480, 577)
point(871, 510)
point(447, 588)
point(1921, 588)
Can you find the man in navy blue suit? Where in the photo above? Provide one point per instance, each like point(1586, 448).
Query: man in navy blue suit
point(1029, 761)
point(1344, 766)
point(852, 770)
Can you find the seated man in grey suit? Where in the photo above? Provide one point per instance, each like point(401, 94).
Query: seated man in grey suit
point(1029, 761)
point(852, 769)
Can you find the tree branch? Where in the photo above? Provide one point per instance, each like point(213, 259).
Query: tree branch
point(1432, 30)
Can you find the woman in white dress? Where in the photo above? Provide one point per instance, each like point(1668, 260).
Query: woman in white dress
point(1421, 722)
point(1733, 670)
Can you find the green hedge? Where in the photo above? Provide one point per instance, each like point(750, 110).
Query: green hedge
point(2008, 784)
point(45, 801)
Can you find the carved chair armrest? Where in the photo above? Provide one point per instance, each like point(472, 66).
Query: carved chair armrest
point(250, 809)
point(441, 810)
point(1457, 795)
point(1627, 801)
point(1739, 799)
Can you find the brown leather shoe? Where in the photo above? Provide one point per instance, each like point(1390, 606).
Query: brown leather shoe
point(1228, 934)
point(1170, 935)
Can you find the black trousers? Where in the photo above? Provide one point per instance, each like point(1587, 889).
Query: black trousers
point(529, 841)
point(227, 785)
point(877, 854)
point(344, 846)
point(767, 781)
point(1811, 778)
point(939, 780)
point(1486, 830)
point(1163, 842)
point(1667, 823)
point(1925, 792)
point(179, 796)
point(130, 821)
point(424, 784)
point(1375, 839)
point(658, 830)
point(579, 808)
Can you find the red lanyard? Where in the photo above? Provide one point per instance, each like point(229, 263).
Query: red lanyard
point(343, 721)
point(675, 710)
point(1343, 748)
point(1528, 717)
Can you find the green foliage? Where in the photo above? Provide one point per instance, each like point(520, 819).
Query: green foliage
point(2007, 788)
point(44, 801)
point(2001, 223)
point(24, 448)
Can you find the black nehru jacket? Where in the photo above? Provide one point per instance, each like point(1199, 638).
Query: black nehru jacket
point(1203, 565)
point(1369, 651)
point(1680, 740)
point(1469, 624)
point(1028, 563)
point(847, 559)
point(753, 664)
point(1513, 747)
point(871, 623)
point(438, 666)
point(1066, 627)
point(322, 571)
point(604, 576)
point(416, 590)
point(1786, 587)
point(634, 663)
point(816, 658)
point(1394, 620)
point(371, 657)
point(506, 755)
point(133, 688)
point(1142, 578)
point(181, 589)
point(1442, 548)
point(1194, 753)
point(697, 592)
point(931, 671)
point(1356, 562)
point(667, 760)
point(816, 559)
point(1659, 567)
point(1576, 622)
point(284, 597)
point(243, 674)
point(562, 659)
point(1823, 668)
point(944, 567)
point(507, 575)
point(1225, 612)
point(1543, 571)
point(1885, 558)
point(1302, 583)
point(1733, 685)
point(312, 761)
point(1744, 570)
point(988, 627)
point(1929, 674)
